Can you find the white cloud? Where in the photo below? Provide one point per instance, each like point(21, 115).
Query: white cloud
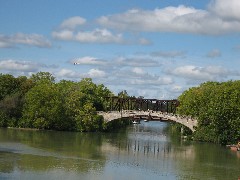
point(87, 60)
point(176, 89)
point(154, 81)
point(95, 36)
point(136, 62)
point(137, 76)
point(4, 43)
point(144, 41)
point(179, 19)
point(98, 36)
point(168, 54)
point(13, 65)
point(65, 35)
point(118, 62)
point(228, 10)
point(24, 39)
point(68, 31)
point(95, 73)
point(70, 74)
point(67, 73)
point(214, 53)
point(138, 70)
point(208, 73)
point(72, 23)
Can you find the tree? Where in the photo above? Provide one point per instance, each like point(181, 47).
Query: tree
point(42, 76)
point(39, 102)
point(216, 106)
point(8, 85)
point(43, 107)
point(123, 94)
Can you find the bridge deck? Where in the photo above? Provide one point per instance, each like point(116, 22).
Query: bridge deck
point(186, 121)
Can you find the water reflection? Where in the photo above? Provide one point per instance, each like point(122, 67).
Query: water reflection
point(145, 151)
point(49, 150)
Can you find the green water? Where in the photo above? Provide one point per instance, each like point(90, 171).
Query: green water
point(146, 151)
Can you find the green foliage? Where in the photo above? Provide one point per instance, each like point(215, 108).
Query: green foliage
point(43, 106)
point(42, 77)
point(123, 94)
point(63, 106)
point(8, 85)
point(217, 108)
point(39, 102)
point(3, 119)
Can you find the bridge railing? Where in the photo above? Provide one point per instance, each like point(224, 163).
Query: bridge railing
point(116, 103)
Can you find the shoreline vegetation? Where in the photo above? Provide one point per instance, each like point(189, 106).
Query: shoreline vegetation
point(217, 108)
point(38, 102)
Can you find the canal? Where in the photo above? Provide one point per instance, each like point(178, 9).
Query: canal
point(150, 150)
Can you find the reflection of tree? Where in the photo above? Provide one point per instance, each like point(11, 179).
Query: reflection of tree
point(205, 160)
point(7, 161)
point(210, 161)
point(46, 150)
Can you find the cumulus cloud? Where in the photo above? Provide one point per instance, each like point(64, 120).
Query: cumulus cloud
point(65, 35)
point(228, 10)
point(95, 36)
point(144, 41)
point(136, 62)
point(152, 81)
point(68, 31)
point(214, 53)
point(71, 74)
point(72, 22)
point(14, 65)
point(95, 73)
point(67, 73)
point(138, 77)
point(98, 36)
point(176, 89)
point(87, 60)
point(208, 73)
point(179, 19)
point(168, 54)
point(24, 39)
point(5, 43)
point(117, 62)
point(138, 70)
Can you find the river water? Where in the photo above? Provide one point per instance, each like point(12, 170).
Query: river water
point(150, 150)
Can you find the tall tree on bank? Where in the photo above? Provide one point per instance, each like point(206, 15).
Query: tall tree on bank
point(65, 105)
point(12, 92)
point(217, 108)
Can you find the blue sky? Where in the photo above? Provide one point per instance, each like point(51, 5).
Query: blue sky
point(155, 49)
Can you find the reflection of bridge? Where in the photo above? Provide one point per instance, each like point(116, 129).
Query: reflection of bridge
point(152, 115)
point(153, 109)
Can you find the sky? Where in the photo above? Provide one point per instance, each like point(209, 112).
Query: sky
point(150, 48)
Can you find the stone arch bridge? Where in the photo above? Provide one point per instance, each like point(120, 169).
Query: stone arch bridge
point(151, 109)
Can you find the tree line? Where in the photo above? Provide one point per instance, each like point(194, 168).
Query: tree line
point(217, 108)
point(40, 102)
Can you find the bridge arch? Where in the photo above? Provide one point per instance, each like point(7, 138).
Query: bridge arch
point(186, 121)
point(129, 107)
